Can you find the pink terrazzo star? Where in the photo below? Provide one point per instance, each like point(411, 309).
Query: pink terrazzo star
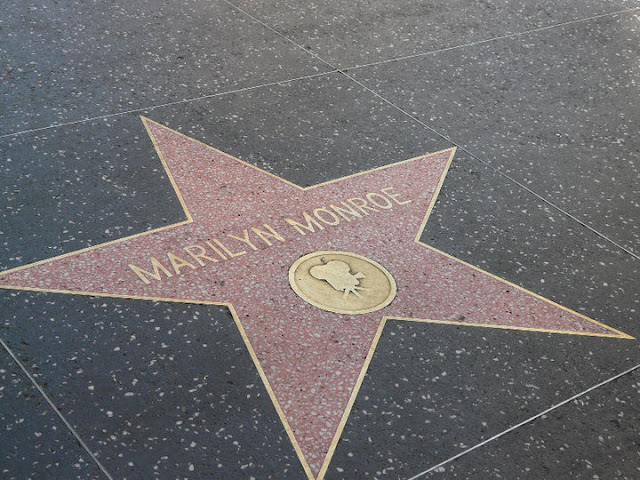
point(246, 228)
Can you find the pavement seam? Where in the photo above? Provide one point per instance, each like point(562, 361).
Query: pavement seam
point(493, 39)
point(168, 104)
point(55, 409)
point(444, 137)
point(525, 422)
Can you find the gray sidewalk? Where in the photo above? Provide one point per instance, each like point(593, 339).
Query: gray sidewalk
point(119, 129)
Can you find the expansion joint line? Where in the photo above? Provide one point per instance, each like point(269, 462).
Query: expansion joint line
point(525, 422)
point(494, 39)
point(161, 105)
point(443, 136)
point(55, 409)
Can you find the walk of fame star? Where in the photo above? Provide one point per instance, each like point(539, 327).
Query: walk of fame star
point(246, 228)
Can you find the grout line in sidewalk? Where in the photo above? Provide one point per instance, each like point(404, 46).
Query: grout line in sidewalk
point(168, 104)
point(55, 409)
point(525, 422)
point(492, 39)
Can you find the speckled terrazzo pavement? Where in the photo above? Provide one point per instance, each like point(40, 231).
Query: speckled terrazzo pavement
point(163, 166)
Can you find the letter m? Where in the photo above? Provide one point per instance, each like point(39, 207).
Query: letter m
point(157, 268)
point(309, 226)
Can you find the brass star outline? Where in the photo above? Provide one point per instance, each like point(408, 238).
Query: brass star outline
point(189, 219)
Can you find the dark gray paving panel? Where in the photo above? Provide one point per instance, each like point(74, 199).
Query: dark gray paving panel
point(158, 390)
point(551, 109)
point(307, 131)
point(81, 185)
point(356, 33)
point(68, 188)
point(69, 60)
point(484, 219)
point(34, 442)
point(432, 391)
point(596, 436)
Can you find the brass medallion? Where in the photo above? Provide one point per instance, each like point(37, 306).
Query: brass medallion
point(342, 282)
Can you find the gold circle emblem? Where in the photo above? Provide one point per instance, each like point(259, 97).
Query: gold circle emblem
point(342, 282)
